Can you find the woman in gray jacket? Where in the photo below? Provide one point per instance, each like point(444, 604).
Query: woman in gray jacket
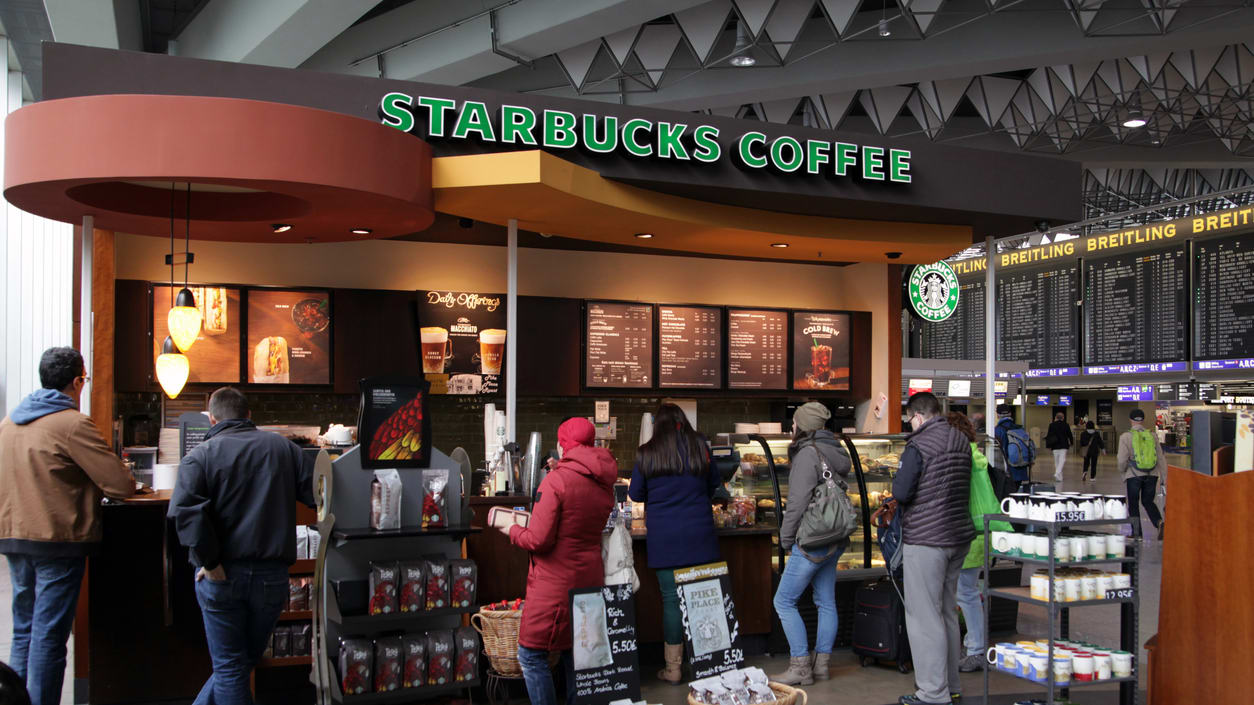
point(812, 448)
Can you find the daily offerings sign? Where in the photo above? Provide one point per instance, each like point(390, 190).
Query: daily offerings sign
point(435, 117)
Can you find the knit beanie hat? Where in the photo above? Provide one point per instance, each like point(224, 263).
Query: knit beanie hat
point(810, 416)
point(575, 432)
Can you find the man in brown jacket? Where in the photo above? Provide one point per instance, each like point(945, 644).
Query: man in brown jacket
point(54, 469)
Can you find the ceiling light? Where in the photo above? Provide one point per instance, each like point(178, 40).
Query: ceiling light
point(172, 368)
point(780, 245)
point(280, 227)
point(743, 60)
point(184, 317)
point(744, 42)
point(361, 231)
point(644, 236)
point(1134, 120)
point(884, 30)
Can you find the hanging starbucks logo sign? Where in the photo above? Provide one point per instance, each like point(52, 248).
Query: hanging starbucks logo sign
point(934, 291)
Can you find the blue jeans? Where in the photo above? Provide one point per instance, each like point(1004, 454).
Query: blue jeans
point(799, 572)
point(240, 614)
point(45, 597)
point(972, 607)
point(539, 677)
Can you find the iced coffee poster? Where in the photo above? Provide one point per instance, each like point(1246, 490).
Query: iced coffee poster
point(820, 351)
point(214, 357)
point(462, 341)
point(603, 630)
point(393, 426)
point(289, 337)
point(711, 629)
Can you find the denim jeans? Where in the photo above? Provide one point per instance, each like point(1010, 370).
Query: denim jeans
point(539, 677)
point(1141, 492)
point(972, 609)
point(799, 572)
point(240, 614)
point(45, 597)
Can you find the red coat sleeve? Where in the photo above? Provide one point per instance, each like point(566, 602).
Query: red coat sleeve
point(540, 534)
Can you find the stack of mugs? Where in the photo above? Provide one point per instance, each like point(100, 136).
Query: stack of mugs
point(1046, 506)
point(1077, 584)
point(1067, 548)
point(1072, 662)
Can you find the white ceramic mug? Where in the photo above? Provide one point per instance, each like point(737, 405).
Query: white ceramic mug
point(1121, 664)
point(1082, 666)
point(1039, 587)
point(1116, 545)
point(1103, 666)
point(1096, 546)
point(1041, 546)
point(1099, 507)
point(1016, 543)
point(1071, 588)
point(1062, 551)
point(1122, 581)
point(1078, 547)
point(1088, 588)
point(1040, 668)
point(1062, 670)
point(1116, 507)
point(1016, 505)
point(1105, 582)
point(1001, 542)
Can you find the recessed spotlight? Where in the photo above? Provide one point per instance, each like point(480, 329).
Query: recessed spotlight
point(361, 231)
point(281, 227)
point(780, 245)
point(893, 255)
point(1134, 121)
point(743, 60)
point(644, 236)
point(884, 30)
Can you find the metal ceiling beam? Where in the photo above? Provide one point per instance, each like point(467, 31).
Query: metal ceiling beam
point(112, 24)
point(274, 33)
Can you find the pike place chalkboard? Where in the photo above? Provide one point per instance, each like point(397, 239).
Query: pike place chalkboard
point(711, 631)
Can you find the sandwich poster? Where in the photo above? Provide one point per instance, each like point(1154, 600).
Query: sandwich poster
point(289, 337)
point(214, 357)
point(462, 341)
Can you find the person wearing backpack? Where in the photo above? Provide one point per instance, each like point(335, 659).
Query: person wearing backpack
point(1016, 446)
point(933, 488)
point(1093, 445)
point(1142, 462)
point(816, 481)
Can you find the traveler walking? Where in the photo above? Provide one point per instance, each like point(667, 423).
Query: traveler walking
point(1142, 462)
point(1058, 439)
point(1093, 445)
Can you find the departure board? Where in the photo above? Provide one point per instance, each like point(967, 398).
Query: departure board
point(1223, 305)
point(620, 345)
point(690, 346)
point(757, 349)
point(1136, 308)
point(961, 336)
point(1037, 317)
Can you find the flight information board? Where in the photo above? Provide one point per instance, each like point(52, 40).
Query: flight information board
point(690, 346)
point(1037, 318)
point(961, 336)
point(757, 349)
point(1136, 308)
point(620, 345)
point(1223, 306)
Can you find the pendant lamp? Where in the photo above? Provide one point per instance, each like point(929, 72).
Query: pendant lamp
point(172, 368)
point(184, 318)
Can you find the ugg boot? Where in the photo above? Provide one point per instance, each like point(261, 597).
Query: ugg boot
point(822, 670)
point(799, 672)
point(674, 671)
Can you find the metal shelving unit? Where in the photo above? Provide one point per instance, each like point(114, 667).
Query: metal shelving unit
point(1060, 612)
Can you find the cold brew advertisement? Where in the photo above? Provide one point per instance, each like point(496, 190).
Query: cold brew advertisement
point(757, 349)
point(820, 351)
point(619, 345)
point(214, 357)
point(463, 341)
point(603, 624)
point(690, 347)
point(393, 426)
point(289, 337)
point(711, 630)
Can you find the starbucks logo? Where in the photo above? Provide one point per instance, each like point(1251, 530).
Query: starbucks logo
point(934, 291)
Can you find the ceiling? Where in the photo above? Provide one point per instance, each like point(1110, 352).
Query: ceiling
point(1054, 77)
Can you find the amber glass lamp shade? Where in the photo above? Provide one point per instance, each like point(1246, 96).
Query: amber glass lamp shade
point(172, 368)
point(184, 320)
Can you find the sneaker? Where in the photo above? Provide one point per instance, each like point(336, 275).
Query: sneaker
point(955, 698)
point(971, 663)
point(1162, 526)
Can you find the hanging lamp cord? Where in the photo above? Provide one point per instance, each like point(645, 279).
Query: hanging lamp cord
point(187, 234)
point(172, 185)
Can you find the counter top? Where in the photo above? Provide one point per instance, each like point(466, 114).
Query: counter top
point(139, 500)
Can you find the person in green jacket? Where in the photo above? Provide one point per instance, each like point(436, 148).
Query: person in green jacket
point(983, 501)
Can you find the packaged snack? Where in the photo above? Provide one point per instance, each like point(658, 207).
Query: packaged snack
point(439, 658)
point(736, 685)
point(297, 594)
point(388, 660)
point(434, 497)
point(282, 641)
point(385, 499)
point(301, 637)
point(437, 596)
point(415, 673)
point(413, 586)
point(466, 666)
point(383, 579)
point(760, 693)
point(315, 540)
point(302, 542)
point(356, 666)
point(465, 577)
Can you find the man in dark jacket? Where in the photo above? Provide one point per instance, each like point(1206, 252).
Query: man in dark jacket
point(1059, 439)
point(933, 489)
point(234, 507)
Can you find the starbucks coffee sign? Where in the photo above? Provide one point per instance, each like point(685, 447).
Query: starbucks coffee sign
point(934, 291)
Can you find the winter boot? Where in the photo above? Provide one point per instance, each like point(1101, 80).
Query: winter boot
point(822, 666)
point(674, 671)
point(799, 672)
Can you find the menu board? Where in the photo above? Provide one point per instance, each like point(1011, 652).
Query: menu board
point(756, 349)
point(214, 357)
point(462, 341)
point(620, 345)
point(289, 337)
point(1038, 320)
point(606, 662)
point(690, 347)
point(1223, 308)
point(820, 350)
point(1136, 308)
point(961, 336)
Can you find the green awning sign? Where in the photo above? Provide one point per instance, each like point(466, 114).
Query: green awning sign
point(934, 291)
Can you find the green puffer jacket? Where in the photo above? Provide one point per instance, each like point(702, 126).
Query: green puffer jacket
point(983, 501)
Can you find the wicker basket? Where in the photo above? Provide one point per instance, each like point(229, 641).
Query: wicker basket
point(784, 695)
point(499, 629)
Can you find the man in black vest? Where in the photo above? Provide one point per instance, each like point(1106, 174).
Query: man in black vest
point(933, 488)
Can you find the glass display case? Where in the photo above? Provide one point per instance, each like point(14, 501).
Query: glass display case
point(876, 459)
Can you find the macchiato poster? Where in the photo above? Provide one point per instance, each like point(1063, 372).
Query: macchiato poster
point(462, 341)
point(820, 350)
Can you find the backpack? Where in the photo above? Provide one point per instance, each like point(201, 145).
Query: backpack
point(830, 517)
point(1144, 450)
point(1020, 451)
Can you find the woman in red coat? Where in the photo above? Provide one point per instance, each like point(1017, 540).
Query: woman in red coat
point(564, 539)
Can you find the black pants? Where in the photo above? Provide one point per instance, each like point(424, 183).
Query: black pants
point(1141, 491)
point(1090, 466)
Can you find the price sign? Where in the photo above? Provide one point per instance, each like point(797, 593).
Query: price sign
point(603, 623)
point(1120, 594)
point(711, 630)
point(1069, 516)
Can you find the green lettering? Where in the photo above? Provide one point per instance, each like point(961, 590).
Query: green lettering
point(518, 125)
point(395, 109)
point(846, 156)
point(777, 153)
point(608, 142)
point(873, 163)
point(631, 142)
point(474, 118)
point(559, 129)
point(708, 149)
point(899, 166)
point(668, 141)
point(436, 107)
point(746, 152)
point(817, 155)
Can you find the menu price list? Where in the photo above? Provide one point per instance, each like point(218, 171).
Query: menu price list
point(1224, 298)
point(620, 345)
point(1037, 319)
point(690, 351)
point(961, 336)
point(757, 349)
point(1136, 308)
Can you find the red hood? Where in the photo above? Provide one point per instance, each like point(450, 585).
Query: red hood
point(596, 463)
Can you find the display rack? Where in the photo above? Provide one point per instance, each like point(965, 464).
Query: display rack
point(1060, 611)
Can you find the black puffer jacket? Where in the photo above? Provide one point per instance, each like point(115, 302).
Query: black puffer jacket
point(934, 487)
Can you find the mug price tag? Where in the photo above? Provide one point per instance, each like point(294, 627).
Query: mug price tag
point(1068, 516)
point(1119, 594)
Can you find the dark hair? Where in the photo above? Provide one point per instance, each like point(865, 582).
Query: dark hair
point(675, 448)
point(1060, 416)
point(924, 403)
point(1003, 409)
point(228, 403)
point(12, 689)
point(1090, 425)
point(960, 421)
point(58, 367)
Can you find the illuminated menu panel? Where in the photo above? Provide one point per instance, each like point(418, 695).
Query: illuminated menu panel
point(1136, 309)
point(1038, 320)
point(690, 347)
point(1135, 392)
point(1223, 304)
point(820, 350)
point(961, 336)
point(620, 345)
point(757, 349)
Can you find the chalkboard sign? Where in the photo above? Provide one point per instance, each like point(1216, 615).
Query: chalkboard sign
point(603, 622)
point(193, 426)
point(711, 631)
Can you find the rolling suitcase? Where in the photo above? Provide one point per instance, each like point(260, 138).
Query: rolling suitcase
point(879, 625)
